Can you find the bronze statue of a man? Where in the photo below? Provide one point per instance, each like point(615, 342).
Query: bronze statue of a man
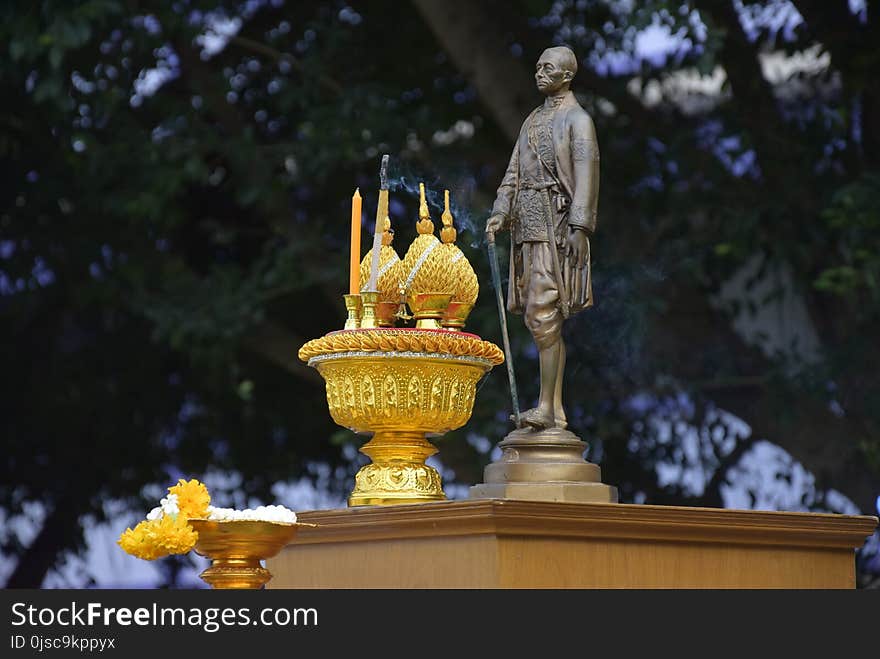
point(548, 201)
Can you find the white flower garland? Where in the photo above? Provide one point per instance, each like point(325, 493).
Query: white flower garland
point(261, 514)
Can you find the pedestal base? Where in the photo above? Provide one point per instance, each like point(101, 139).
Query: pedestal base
point(528, 544)
point(398, 473)
point(546, 465)
point(236, 574)
point(562, 492)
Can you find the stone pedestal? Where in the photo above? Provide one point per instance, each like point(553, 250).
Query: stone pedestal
point(545, 465)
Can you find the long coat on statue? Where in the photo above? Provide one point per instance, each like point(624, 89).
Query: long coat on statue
point(561, 137)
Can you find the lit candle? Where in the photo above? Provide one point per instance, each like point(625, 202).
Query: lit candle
point(354, 273)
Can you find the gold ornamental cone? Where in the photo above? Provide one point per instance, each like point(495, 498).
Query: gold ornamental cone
point(389, 264)
point(423, 269)
point(465, 284)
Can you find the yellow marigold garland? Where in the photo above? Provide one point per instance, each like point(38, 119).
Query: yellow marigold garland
point(140, 541)
point(169, 532)
point(175, 536)
point(192, 498)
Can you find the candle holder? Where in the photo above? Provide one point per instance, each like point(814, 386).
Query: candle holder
point(353, 306)
point(369, 300)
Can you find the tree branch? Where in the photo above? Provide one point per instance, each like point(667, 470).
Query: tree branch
point(834, 26)
point(850, 45)
point(279, 346)
point(472, 42)
point(712, 492)
point(258, 47)
point(783, 413)
point(59, 529)
point(777, 148)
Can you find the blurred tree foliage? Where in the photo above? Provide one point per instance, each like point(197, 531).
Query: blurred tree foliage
point(174, 189)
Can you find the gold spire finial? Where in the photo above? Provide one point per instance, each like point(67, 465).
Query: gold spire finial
point(448, 232)
point(423, 204)
point(424, 225)
point(387, 232)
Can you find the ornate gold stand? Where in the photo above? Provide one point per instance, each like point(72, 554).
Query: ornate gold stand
point(400, 385)
point(236, 549)
point(398, 473)
point(399, 398)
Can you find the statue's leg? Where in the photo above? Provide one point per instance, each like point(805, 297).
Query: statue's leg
point(544, 321)
point(558, 411)
point(549, 360)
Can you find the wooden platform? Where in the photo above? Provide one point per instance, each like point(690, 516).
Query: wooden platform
point(525, 544)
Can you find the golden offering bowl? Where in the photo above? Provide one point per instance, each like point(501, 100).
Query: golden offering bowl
point(456, 314)
point(236, 548)
point(428, 308)
point(385, 313)
point(400, 385)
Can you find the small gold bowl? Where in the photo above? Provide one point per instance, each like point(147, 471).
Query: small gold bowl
point(385, 313)
point(236, 548)
point(456, 314)
point(428, 308)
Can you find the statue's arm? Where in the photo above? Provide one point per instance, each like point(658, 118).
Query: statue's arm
point(585, 157)
point(507, 189)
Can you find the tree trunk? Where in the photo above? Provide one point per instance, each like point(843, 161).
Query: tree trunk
point(59, 529)
point(697, 345)
point(470, 37)
point(276, 344)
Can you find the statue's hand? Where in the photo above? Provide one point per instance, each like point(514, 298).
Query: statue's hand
point(494, 224)
point(576, 247)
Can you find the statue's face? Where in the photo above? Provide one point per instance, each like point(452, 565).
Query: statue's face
point(550, 75)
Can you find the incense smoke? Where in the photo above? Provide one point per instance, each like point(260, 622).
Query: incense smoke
point(461, 192)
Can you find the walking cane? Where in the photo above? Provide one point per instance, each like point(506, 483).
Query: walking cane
point(502, 316)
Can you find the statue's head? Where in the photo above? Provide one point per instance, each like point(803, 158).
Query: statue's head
point(555, 69)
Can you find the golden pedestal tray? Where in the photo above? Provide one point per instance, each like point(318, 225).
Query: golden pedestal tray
point(236, 548)
point(402, 385)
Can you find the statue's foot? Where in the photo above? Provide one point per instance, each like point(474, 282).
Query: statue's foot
point(561, 421)
point(536, 418)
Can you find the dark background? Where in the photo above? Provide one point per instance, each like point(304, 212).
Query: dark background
point(174, 226)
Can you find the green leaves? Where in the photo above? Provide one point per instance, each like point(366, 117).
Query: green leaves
point(853, 216)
